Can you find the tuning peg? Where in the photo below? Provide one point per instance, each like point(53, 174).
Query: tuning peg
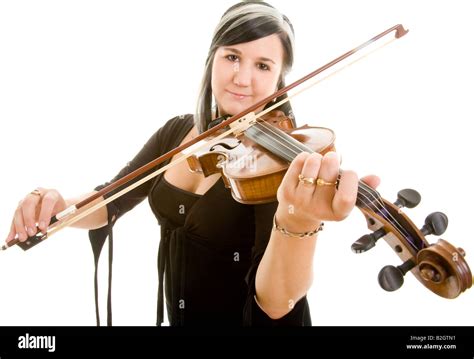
point(364, 243)
point(407, 198)
point(435, 223)
point(391, 277)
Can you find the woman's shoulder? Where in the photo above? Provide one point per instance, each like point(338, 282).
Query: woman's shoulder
point(178, 124)
point(172, 132)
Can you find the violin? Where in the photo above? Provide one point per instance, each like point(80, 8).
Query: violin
point(252, 166)
point(252, 153)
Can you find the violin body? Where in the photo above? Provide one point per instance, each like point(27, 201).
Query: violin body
point(252, 173)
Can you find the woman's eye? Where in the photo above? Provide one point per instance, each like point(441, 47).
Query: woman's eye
point(263, 67)
point(232, 58)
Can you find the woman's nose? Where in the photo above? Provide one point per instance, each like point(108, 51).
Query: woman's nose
point(242, 75)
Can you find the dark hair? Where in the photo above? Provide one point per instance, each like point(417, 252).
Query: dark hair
point(244, 22)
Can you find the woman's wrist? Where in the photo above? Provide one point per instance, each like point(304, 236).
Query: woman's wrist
point(295, 226)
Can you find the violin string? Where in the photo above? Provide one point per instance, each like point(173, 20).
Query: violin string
point(291, 141)
point(364, 187)
point(283, 139)
point(272, 145)
point(295, 147)
point(383, 210)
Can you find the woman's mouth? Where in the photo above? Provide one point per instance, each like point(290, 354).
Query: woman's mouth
point(237, 96)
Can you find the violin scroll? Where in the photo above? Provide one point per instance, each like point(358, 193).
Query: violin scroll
point(444, 269)
point(440, 267)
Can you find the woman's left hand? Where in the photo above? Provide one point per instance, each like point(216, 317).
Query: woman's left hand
point(308, 194)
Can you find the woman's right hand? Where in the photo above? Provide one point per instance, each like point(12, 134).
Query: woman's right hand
point(36, 208)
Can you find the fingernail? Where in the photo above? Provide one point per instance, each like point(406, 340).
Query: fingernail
point(42, 225)
point(334, 155)
point(31, 231)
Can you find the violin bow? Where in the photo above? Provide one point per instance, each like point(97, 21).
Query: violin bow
point(237, 123)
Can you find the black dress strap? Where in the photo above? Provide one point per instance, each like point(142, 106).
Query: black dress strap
point(169, 137)
point(162, 250)
point(97, 239)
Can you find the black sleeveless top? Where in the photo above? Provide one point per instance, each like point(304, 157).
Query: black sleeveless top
point(210, 245)
point(175, 202)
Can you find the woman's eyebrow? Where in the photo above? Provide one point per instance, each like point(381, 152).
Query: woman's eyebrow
point(238, 52)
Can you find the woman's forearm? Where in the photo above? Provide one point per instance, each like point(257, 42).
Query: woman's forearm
point(285, 273)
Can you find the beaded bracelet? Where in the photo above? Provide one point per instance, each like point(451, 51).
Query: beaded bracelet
point(276, 227)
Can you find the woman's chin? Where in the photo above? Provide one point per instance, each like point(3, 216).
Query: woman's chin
point(235, 109)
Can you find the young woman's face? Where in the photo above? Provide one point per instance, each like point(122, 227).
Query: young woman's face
point(246, 73)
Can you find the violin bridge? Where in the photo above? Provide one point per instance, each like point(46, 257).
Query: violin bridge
point(243, 123)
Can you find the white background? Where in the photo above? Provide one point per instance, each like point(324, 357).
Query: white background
point(84, 84)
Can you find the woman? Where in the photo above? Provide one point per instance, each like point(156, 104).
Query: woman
point(222, 262)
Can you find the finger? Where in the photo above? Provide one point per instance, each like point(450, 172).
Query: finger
point(20, 225)
point(12, 233)
point(329, 171)
point(346, 195)
point(48, 202)
point(290, 180)
point(371, 180)
point(29, 213)
point(310, 170)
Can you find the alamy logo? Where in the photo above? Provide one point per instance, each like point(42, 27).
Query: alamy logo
point(233, 161)
point(28, 341)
